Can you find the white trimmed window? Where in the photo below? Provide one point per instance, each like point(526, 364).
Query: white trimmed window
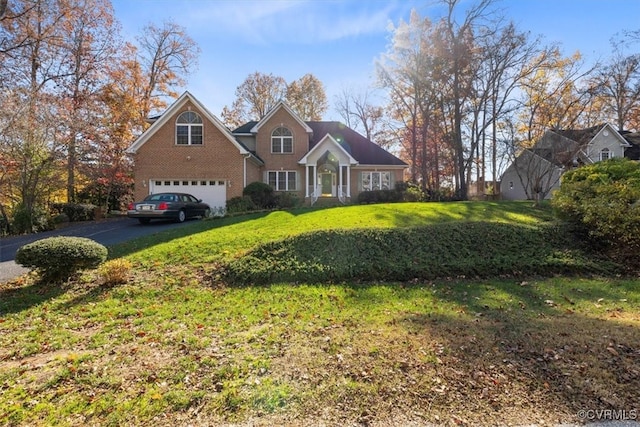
point(189, 129)
point(281, 141)
point(282, 180)
point(605, 154)
point(376, 181)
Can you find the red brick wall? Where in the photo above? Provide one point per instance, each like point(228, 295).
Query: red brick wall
point(288, 161)
point(217, 158)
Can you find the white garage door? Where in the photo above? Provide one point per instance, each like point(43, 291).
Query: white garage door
point(211, 191)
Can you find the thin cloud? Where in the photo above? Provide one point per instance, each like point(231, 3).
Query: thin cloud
point(299, 22)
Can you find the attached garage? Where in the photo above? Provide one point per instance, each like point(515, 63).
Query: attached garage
point(211, 191)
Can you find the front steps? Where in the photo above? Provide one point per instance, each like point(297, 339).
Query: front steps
point(326, 202)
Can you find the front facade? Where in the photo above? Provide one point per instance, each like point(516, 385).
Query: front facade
point(537, 172)
point(189, 150)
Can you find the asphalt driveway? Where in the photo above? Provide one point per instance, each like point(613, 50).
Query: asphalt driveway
point(107, 232)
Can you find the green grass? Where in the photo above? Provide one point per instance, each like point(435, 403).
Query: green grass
point(209, 241)
point(171, 348)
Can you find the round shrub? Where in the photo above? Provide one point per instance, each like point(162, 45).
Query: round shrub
point(603, 201)
point(261, 194)
point(61, 257)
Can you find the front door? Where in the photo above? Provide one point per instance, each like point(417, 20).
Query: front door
point(326, 180)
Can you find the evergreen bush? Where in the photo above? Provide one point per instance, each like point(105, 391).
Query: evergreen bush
point(75, 211)
point(602, 201)
point(240, 204)
point(261, 194)
point(61, 257)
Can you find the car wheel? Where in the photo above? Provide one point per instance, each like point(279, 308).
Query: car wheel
point(207, 213)
point(144, 220)
point(181, 216)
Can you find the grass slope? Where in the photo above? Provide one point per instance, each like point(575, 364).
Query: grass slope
point(167, 349)
point(444, 250)
point(208, 241)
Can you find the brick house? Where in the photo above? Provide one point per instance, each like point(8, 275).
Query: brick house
point(188, 149)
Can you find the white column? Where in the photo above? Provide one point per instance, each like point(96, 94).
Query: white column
point(348, 180)
point(306, 181)
point(315, 178)
point(340, 180)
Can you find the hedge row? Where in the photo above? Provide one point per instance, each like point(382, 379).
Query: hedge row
point(447, 250)
point(75, 211)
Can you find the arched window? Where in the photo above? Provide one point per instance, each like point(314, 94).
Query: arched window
point(605, 154)
point(282, 141)
point(189, 129)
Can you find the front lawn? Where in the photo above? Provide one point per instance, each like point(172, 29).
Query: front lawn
point(175, 347)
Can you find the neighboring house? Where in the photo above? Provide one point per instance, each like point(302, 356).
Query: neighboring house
point(536, 172)
point(188, 149)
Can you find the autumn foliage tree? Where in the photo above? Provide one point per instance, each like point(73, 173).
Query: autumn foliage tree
point(306, 96)
point(259, 93)
point(74, 96)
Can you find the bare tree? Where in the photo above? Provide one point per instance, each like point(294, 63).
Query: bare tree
point(459, 54)
point(361, 114)
point(618, 84)
point(258, 94)
point(167, 54)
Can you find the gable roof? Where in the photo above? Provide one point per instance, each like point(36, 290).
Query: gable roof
point(279, 106)
point(584, 136)
point(340, 146)
point(168, 114)
point(359, 147)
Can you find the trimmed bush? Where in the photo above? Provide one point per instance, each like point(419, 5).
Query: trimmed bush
point(261, 194)
point(602, 201)
point(446, 250)
point(61, 257)
point(75, 211)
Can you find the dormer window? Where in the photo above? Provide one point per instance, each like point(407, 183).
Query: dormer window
point(605, 154)
point(281, 141)
point(189, 129)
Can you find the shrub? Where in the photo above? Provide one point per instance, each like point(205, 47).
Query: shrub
point(30, 222)
point(61, 257)
point(115, 192)
point(240, 204)
point(60, 218)
point(261, 194)
point(75, 211)
point(115, 271)
point(602, 201)
point(380, 196)
point(287, 200)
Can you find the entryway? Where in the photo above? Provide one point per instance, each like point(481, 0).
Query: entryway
point(327, 181)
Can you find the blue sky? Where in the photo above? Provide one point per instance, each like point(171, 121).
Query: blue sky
point(338, 41)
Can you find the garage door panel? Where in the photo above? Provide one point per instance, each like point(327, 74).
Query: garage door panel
point(211, 191)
